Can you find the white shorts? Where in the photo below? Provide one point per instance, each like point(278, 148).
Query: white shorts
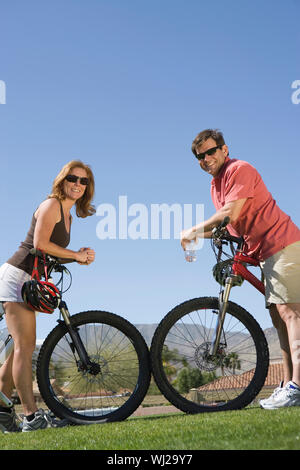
point(11, 282)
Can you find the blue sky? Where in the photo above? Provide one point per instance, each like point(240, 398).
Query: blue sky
point(125, 85)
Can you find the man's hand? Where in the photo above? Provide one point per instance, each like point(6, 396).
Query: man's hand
point(204, 229)
point(187, 236)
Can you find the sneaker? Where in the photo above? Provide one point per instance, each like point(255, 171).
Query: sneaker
point(285, 396)
point(42, 420)
point(269, 401)
point(9, 422)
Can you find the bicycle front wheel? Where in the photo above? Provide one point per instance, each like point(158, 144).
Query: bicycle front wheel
point(189, 376)
point(116, 384)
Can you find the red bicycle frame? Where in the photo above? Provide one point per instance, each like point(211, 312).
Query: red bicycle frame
point(239, 269)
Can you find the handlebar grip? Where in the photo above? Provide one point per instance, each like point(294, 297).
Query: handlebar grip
point(35, 252)
point(225, 222)
point(40, 254)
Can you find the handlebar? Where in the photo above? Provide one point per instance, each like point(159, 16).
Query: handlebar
point(40, 254)
point(52, 262)
point(220, 233)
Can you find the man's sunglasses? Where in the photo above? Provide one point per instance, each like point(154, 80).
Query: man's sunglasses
point(74, 179)
point(212, 151)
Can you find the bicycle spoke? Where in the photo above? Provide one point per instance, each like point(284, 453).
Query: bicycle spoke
point(191, 372)
point(81, 391)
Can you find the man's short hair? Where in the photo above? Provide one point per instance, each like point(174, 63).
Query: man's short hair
point(205, 135)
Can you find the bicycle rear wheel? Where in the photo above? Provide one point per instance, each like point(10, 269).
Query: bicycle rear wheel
point(118, 381)
point(193, 380)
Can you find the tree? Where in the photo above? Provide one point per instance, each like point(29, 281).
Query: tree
point(170, 356)
point(183, 381)
point(188, 378)
point(232, 361)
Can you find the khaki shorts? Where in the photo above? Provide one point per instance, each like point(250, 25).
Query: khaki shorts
point(282, 276)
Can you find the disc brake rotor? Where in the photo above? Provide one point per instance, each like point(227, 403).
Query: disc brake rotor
point(206, 361)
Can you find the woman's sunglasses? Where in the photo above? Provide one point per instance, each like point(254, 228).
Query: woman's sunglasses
point(74, 179)
point(212, 151)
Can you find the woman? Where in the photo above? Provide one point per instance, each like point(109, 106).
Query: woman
point(49, 232)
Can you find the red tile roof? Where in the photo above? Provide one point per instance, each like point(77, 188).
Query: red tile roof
point(275, 375)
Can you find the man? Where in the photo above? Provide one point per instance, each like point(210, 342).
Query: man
point(239, 192)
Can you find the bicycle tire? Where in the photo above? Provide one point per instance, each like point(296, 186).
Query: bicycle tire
point(179, 328)
point(113, 393)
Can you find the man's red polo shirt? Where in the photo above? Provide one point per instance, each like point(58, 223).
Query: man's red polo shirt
point(264, 226)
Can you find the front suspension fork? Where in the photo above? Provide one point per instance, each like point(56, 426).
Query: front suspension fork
point(223, 302)
point(85, 362)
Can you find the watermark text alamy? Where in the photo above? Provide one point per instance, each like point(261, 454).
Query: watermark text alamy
point(140, 221)
point(296, 94)
point(2, 92)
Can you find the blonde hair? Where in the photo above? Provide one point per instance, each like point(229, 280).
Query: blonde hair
point(84, 208)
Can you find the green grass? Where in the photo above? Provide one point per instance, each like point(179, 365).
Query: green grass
point(249, 429)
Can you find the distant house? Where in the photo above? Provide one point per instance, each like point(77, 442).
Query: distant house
point(275, 375)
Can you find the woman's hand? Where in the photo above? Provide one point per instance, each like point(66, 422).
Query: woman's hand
point(85, 256)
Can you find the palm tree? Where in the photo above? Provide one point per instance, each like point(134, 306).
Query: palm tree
point(231, 361)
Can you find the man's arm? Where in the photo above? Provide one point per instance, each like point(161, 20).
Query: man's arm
point(204, 229)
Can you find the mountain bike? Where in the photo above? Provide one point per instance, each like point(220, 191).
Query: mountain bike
point(209, 354)
point(93, 367)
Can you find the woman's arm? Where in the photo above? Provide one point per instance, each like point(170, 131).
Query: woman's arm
point(47, 215)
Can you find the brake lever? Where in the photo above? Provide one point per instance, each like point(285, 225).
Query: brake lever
point(220, 230)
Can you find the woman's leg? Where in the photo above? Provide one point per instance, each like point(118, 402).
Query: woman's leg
point(6, 380)
point(21, 323)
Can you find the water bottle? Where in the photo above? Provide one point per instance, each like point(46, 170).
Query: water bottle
point(190, 251)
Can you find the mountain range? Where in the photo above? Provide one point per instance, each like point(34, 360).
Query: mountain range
point(147, 331)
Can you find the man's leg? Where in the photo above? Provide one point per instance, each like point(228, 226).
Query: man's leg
point(290, 315)
point(286, 319)
point(280, 326)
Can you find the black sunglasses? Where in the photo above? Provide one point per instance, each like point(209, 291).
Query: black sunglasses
point(73, 179)
point(212, 151)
